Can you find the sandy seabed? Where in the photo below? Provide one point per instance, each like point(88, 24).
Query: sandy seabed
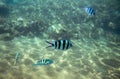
point(87, 59)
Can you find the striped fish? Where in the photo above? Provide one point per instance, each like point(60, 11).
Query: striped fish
point(43, 62)
point(60, 44)
point(89, 10)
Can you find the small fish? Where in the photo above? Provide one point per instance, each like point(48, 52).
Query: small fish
point(16, 57)
point(43, 62)
point(89, 10)
point(60, 44)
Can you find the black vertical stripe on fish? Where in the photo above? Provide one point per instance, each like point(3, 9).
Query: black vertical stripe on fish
point(55, 45)
point(59, 44)
point(67, 45)
point(91, 11)
point(45, 61)
point(64, 43)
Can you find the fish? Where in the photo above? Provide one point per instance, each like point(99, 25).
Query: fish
point(17, 55)
point(89, 10)
point(60, 44)
point(43, 62)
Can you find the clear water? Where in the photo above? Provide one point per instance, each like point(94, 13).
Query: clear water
point(29, 23)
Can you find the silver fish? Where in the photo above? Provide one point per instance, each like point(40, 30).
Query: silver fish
point(90, 10)
point(60, 44)
point(43, 62)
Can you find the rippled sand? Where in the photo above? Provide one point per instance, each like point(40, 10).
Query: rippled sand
point(87, 59)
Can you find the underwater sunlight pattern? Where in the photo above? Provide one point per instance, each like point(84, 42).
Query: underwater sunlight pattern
point(59, 39)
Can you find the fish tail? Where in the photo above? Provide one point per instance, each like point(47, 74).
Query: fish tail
point(50, 44)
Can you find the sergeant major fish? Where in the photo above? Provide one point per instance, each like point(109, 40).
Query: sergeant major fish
point(89, 10)
point(43, 62)
point(60, 44)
